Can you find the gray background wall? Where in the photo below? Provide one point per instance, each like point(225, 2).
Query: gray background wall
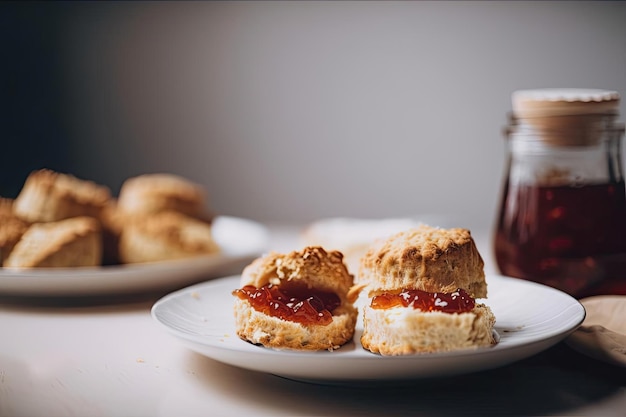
point(293, 111)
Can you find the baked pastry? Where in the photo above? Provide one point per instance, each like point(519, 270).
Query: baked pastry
point(48, 196)
point(154, 193)
point(164, 236)
point(423, 284)
point(11, 229)
point(302, 300)
point(65, 243)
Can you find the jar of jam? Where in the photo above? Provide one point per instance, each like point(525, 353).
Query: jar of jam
point(562, 215)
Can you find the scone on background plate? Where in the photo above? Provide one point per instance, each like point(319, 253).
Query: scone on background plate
point(65, 243)
point(422, 284)
point(165, 236)
point(156, 217)
point(302, 300)
point(153, 193)
point(49, 196)
point(11, 229)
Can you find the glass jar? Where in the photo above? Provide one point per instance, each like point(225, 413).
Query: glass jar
point(562, 215)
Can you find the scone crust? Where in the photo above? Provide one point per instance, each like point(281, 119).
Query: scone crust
point(12, 229)
point(404, 331)
point(425, 258)
point(66, 243)
point(165, 236)
point(153, 193)
point(273, 332)
point(49, 196)
point(312, 266)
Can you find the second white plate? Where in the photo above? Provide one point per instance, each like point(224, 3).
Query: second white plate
point(530, 318)
point(241, 240)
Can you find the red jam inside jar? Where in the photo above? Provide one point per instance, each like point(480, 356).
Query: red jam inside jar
point(458, 301)
point(295, 303)
point(570, 238)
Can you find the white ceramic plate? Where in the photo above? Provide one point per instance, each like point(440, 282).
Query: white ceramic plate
point(241, 241)
point(530, 318)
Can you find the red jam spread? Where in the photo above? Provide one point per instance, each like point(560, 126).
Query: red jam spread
point(458, 301)
point(296, 303)
point(566, 237)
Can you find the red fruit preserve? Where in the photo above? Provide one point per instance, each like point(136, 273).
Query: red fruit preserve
point(303, 305)
point(570, 238)
point(458, 301)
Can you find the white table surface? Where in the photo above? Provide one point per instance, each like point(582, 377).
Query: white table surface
point(109, 358)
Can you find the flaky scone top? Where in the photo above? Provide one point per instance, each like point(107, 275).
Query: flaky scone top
point(152, 193)
point(50, 196)
point(425, 258)
point(70, 242)
point(312, 266)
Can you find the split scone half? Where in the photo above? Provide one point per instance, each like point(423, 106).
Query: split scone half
point(300, 300)
point(422, 286)
point(65, 243)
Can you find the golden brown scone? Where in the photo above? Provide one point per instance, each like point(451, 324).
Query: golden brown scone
point(165, 236)
point(425, 258)
point(312, 266)
point(65, 243)
point(153, 193)
point(440, 262)
point(49, 196)
point(404, 331)
point(312, 269)
point(11, 230)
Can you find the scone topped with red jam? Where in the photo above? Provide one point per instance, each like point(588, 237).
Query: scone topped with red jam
point(423, 284)
point(300, 300)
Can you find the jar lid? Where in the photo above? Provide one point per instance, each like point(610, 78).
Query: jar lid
point(564, 102)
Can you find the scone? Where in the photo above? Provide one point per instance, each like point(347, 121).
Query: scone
point(65, 243)
point(48, 196)
point(301, 300)
point(11, 229)
point(154, 193)
point(422, 284)
point(165, 236)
